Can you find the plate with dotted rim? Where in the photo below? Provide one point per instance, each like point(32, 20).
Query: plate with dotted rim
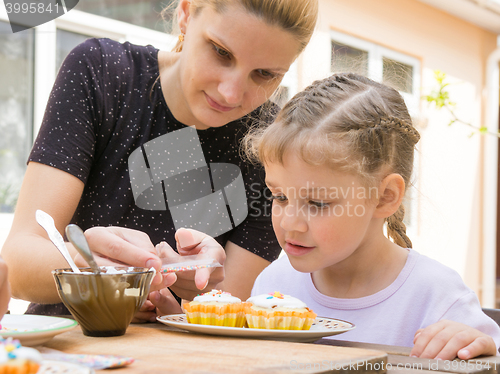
point(32, 329)
point(320, 328)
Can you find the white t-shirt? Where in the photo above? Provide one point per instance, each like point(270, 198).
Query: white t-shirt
point(424, 292)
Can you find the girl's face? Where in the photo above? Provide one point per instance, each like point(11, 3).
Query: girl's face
point(320, 217)
point(230, 64)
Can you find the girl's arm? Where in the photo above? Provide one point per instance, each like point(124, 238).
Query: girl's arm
point(446, 340)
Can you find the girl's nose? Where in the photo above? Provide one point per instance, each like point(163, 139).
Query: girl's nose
point(292, 219)
point(232, 88)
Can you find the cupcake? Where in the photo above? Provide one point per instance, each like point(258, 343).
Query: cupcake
point(279, 312)
point(15, 359)
point(216, 308)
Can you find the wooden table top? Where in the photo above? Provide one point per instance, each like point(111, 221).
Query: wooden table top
point(157, 348)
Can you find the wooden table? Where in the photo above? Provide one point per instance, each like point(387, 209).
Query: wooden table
point(158, 348)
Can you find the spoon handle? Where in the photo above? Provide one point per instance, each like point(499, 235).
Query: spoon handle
point(77, 237)
point(47, 222)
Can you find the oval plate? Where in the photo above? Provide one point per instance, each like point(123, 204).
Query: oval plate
point(32, 329)
point(321, 327)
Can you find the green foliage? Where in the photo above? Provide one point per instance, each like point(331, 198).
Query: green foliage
point(440, 98)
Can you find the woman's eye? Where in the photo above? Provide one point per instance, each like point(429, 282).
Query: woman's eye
point(264, 74)
point(221, 52)
point(278, 198)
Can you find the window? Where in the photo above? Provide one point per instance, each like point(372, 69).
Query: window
point(30, 59)
point(346, 58)
point(400, 71)
point(144, 13)
point(395, 69)
point(65, 42)
point(16, 110)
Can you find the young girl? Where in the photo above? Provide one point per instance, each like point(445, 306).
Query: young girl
point(112, 98)
point(338, 160)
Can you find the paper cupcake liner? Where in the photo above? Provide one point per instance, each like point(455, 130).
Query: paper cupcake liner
point(229, 315)
point(278, 319)
point(19, 366)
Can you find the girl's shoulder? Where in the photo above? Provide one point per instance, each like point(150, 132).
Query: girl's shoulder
point(432, 274)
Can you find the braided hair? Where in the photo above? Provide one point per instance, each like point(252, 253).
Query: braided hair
point(350, 123)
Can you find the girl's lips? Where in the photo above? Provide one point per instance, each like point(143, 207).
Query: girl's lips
point(297, 250)
point(216, 105)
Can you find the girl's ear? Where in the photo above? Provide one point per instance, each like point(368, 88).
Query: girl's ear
point(183, 14)
point(391, 193)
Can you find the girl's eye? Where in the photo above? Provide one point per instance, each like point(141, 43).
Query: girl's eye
point(318, 204)
point(221, 52)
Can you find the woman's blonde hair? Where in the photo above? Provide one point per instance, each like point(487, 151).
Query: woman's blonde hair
point(295, 16)
point(349, 123)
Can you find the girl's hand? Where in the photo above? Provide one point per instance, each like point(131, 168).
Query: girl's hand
point(147, 312)
point(446, 340)
point(165, 302)
point(192, 242)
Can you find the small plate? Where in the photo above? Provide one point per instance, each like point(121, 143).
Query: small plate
point(321, 327)
point(32, 329)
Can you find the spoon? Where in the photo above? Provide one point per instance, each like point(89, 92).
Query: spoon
point(77, 237)
point(47, 222)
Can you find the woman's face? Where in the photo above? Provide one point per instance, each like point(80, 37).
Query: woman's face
point(230, 64)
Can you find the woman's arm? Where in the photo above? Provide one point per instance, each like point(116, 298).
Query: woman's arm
point(31, 256)
point(27, 251)
point(4, 288)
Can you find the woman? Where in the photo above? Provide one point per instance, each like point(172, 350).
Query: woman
point(110, 99)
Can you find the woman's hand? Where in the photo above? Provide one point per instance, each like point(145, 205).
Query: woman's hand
point(446, 340)
point(118, 246)
point(192, 242)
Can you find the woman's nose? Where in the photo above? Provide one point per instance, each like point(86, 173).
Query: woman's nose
point(292, 219)
point(232, 88)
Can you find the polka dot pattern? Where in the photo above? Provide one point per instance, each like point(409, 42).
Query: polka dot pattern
point(107, 102)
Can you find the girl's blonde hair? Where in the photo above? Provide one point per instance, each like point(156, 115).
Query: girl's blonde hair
point(295, 16)
point(349, 123)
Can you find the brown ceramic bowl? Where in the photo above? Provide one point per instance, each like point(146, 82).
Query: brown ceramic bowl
point(104, 304)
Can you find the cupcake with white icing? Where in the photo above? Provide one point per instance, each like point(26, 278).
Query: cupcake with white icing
point(16, 359)
point(279, 312)
point(216, 308)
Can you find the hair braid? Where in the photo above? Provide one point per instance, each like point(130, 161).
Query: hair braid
point(351, 124)
point(396, 229)
point(402, 126)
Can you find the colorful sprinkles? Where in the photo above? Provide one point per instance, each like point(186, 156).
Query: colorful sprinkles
point(276, 294)
point(173, 269)
point(96, 362)
point(10, 345)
